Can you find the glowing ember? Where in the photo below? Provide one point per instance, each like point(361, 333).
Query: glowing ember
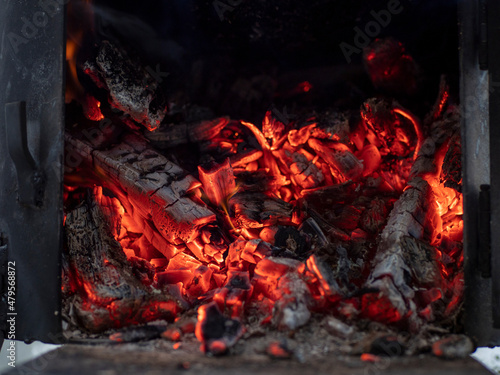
point(285, 219)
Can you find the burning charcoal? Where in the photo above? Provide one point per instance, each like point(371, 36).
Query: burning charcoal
point(279, 350)
point(243, 252)
point(325, 277)
point(216, 333)
point(391, 128)
point(278, 280)
point(135, 334)
point(131, 88)
point(290, 239)
point(107, 294)
point(272, 128)
point(390, 265)
point(390, 68)
point(291, 311)
point(168, 136)
point(387, 346)
point(187, 325)
point(298, 137)
point(343, 161)
point(371, 158)
point(338, 328)
point(172, 334)
point(218, 182)
point(242, 159)
point(453, 347)
point(235, 293)
point(417, 215)
point(255, 210)
point(151, 188)
point(268, 234)
point(304, 173)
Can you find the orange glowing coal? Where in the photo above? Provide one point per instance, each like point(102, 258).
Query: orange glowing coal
point(284, 198)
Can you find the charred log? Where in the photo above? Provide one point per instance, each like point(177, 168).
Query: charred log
point(131, 88)
point(168, 136)
point(151, 188)
point(106, 294)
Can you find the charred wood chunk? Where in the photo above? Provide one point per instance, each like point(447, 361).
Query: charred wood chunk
point(168, 136)
point(255, 210)
point(305, 173)
point(218, 182)
point(422, 262)
point(132, 89)
point(340, 159)
point(397, 256)
point(216, 332)
point(291, 239)
point(151, 188)
point(107, 293)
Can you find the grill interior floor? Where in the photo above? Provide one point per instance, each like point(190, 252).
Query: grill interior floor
point(153, 358)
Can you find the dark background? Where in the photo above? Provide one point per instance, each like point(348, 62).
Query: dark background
point(261, 50)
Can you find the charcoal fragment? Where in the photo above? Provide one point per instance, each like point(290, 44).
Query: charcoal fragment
point(216, 332)
point(279, 350)
point(132, 89)
point(290, 238)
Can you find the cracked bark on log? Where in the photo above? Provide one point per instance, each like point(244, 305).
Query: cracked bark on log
point(151, 188)
point(106, 294)
point(397, 272)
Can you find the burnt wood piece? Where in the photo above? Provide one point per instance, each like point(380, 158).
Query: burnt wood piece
point(392, 263)
point(132, 89)
point(344, 162)
point(255, 210)
point(152, 189)
point(168, 136)
point(218, 182)
point(412, 216)
point(103, 291)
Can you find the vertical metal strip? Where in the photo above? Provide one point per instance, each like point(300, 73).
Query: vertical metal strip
point(493, 9)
